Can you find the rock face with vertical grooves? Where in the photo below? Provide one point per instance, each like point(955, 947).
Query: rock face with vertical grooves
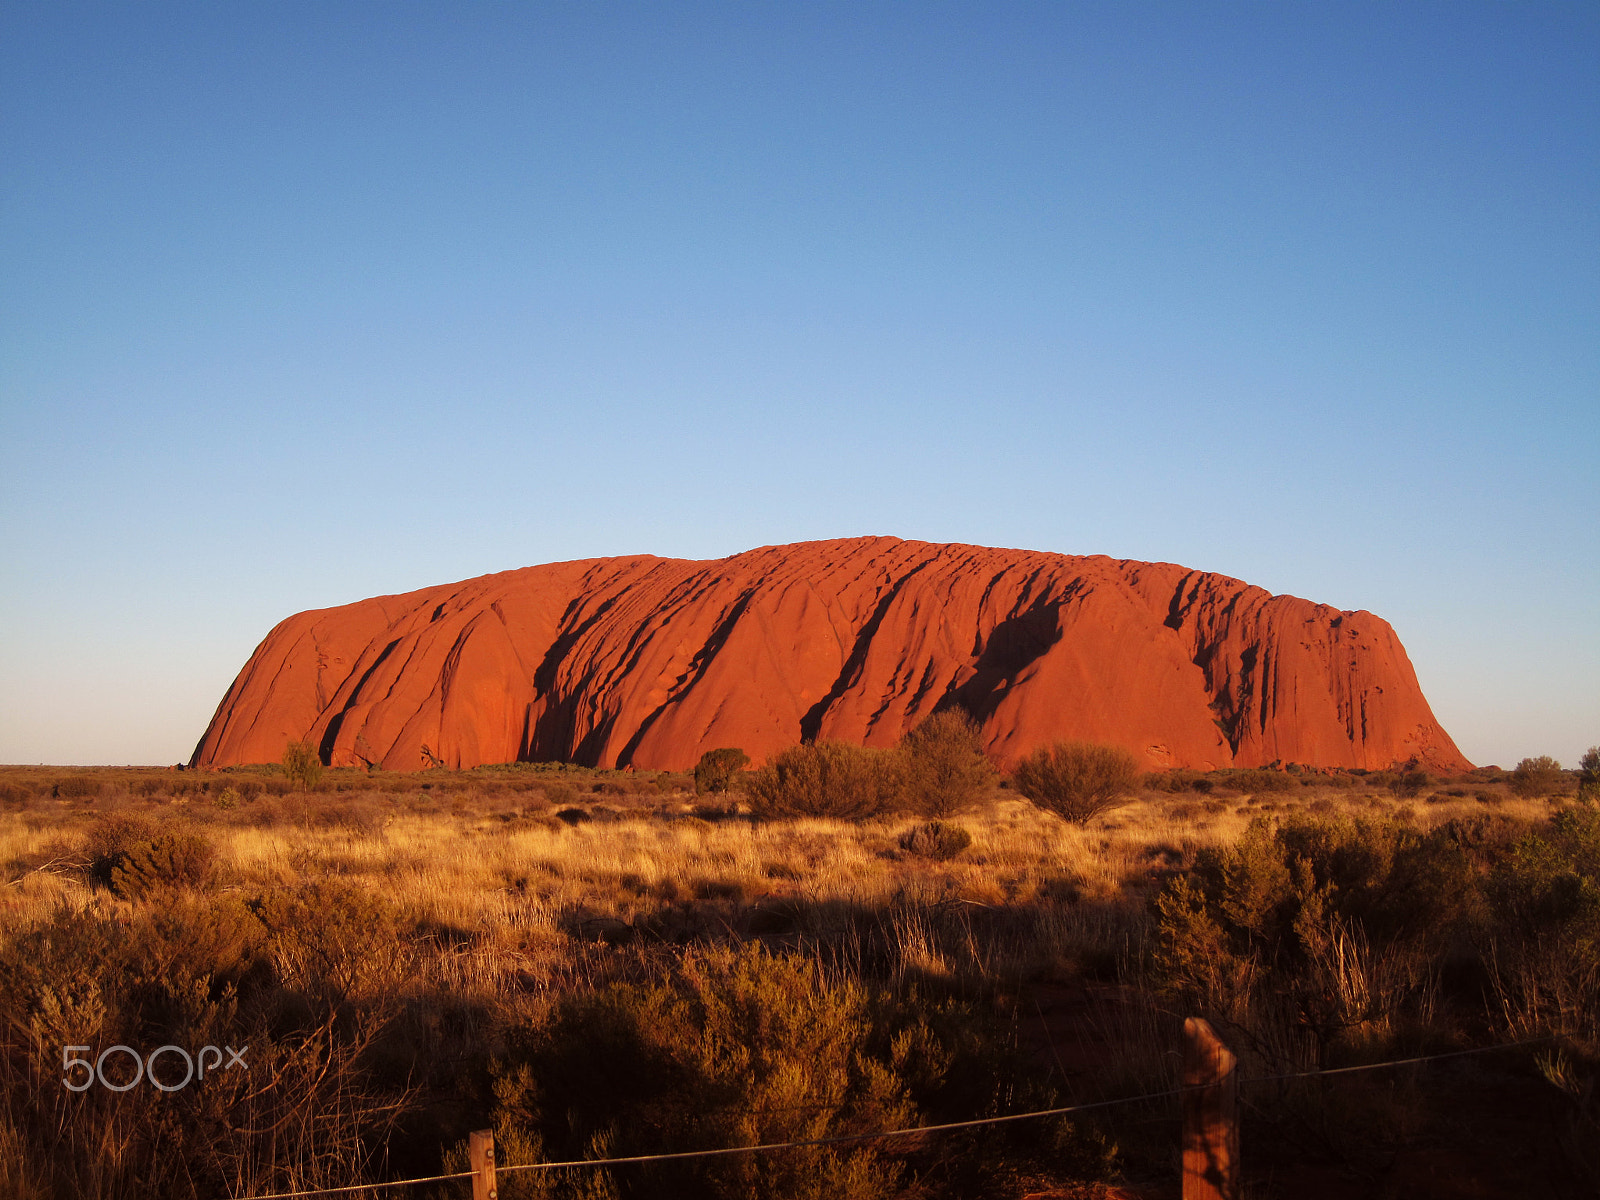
point(650, 661)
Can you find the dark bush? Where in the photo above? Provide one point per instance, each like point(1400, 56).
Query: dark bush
point(1409, 783)
point(77, 787)
point(737, 1047)
point(302, 765)
point(1316, 928)
point(1261, 782)
point(110, 838)
point(173, 860)
point(1545, 896)
point(943, 766)
point(1076, 780)
point(938, 840)
point(826, 779)
point(1540, 776)
point(716, 769)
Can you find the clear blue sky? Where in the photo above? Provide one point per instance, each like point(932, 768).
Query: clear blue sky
point(303, 303)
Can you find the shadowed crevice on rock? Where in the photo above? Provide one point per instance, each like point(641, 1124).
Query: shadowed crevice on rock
point(697, 669)
point(1013, 645)
point(330, 736)
point(811, 723)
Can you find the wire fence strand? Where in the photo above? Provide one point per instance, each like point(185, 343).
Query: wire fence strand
point(839, 1139)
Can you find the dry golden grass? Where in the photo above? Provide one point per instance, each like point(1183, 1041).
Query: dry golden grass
point(514, 892)
point(483, 903)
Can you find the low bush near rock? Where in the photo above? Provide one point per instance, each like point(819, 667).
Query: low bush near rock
point(826, 779)
point(173, 860)
point(938, 840)
point(1077, 780)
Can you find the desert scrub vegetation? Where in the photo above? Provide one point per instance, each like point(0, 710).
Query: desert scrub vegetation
point(409, 957)
point(1077, 780)
point(938, 769)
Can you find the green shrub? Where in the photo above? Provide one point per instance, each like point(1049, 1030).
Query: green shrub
point(938, 840)
point(1077, 780)
point(1589, 776)
point(943, 768)
point(1551, 879)
point(1546, 902)
point(826, 779)
point(736, 1048)
point(716, 769)
point(1540, 776)
point(77, 787)
point(302, 765)
point(1179, 779)
point(1258, 782)
point(1315, 928)
point(1410, 783)
point(173, 860)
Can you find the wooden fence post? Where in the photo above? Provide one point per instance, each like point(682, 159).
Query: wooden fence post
point(480, 1153)
point(1210, 1115)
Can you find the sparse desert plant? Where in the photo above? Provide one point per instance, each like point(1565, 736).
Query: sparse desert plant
point(944, 768)
point(1308, 932)
point(1263, 781)
point(716, 769)
point(77, 787)
point(1589, 776)
point(182, 859)
point(734, 1047)
point(1077, 780)
point(1541, 776)
point(1546, 902)
point(1410, 782)
point(938, 840)
point(302, 765)
point(826, 779)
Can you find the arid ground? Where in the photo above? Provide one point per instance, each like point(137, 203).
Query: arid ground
point(599, 964)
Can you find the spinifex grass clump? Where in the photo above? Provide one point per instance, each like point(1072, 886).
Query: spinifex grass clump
point(938, 840)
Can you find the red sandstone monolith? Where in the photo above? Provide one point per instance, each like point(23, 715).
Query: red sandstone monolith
point(651, 661)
